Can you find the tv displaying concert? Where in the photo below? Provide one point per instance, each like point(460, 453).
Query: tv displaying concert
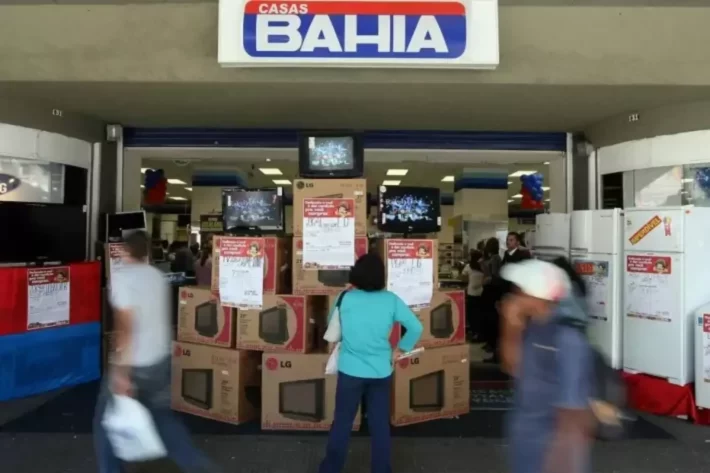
point(409, 209)
point(253, 209)
point(330, 155)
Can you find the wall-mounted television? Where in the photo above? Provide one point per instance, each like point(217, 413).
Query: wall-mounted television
point(303, 400)
point(330, 155)
point(206, 323)
point(409, 209)
point(253, 211)
point(441, 321)
point(273, 325)
point(197, 387)
point(426, 393)
point(334, 278)
point(118, 224)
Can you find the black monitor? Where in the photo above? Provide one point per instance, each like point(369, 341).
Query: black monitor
point(303, 400)
point(334, 278)
point(273, 325)
point(197, 387)
point(441, 321)
point(206, 323)
point(253, 211)
point(330, 155)
point(409, 209)
point(119, 223)
point(426, 393)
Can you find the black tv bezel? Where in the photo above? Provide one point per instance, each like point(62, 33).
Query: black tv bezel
point(448, 331)
point(334, 277)
point(110, 238)
point(304, 168)
point(282, 336)
point(213, 328)
point(253, 229)
point(408, 228)
point(441, 379)
point(319, 415)
point(210, 388)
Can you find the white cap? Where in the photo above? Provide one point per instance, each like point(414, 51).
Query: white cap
point(538, 278)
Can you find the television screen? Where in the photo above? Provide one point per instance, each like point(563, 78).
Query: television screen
point(118, 223)
point(259, 210)
point(426, 393)
point(441, 320)
point(197, 387)
point(330, 155)
point(303, 400)
point(409, 209)
point(273, 325)
point(206, 319)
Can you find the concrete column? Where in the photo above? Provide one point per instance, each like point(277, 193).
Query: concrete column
point(557, 182)
point(132, 181)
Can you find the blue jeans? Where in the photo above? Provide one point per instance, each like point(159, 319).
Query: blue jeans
point(152, 388)
point(349, 392)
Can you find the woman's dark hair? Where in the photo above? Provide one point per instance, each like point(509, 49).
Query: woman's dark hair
point(577, 281)
point(474, 257)
point(481, 245)
point(492, 247)
point(368, 274)
point(206, 253)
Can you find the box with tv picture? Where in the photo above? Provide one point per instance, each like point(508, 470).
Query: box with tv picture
point(433, 385)
point(323, 282)
point(276, 256)
point(444, 320)
point(201, 319)
point(412, 249)
point(285, 323)
point(296, 394)
point(355, 189)
point(216, 383)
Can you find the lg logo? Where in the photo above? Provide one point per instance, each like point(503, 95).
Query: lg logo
point(8, 183)
point(273, 364)
point(3, 188)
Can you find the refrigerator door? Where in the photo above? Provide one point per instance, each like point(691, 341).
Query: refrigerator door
point(596, 231)
point(581, 231)
point(602, 276)
point(654, 327)
point(657, 230)
point(702, 357)
point(552, 233)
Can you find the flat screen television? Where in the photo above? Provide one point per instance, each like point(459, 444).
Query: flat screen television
point(441, 321)
point(253, 211)
point(273, 325)
point(409, 209)
point(303, 400)
point(334, 278)
point(426, 393)
point(119, 223)
point(40, 233)
point(206, 323)
point(330, 155)
point(197, 387)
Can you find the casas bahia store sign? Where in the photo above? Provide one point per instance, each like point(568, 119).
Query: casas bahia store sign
point(363, 33)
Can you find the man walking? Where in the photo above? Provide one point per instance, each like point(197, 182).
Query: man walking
point(141, 368)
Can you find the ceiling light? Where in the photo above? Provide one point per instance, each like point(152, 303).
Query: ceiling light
point(510, 182)
point(268, 160)
point(688, 180)
point(178, 198)
point(143, 170)
point(397, 172)
point(142, 186)
point(547, 200)
point(521, 173)
point(510, 200)
point(546, 163)
point(271, 171)
point(448, 179)
point(545, 189)
point(176, 181)
point(518, 196)
point(391, 183)
point(189, 189)
point(281, 182)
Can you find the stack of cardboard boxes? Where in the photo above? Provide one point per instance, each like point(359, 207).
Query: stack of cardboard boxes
point(229, 364)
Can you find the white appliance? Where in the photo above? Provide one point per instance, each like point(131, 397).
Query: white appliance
point(552, 236)
point(667, 259)
point(596, 250)
point(702, 357)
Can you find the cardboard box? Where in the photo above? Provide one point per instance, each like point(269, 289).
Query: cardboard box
point(355, 189)
point(444, 321)
point(203, 320)
point(321, 282)
point(216, 383)
point(433, 385)
point(296, 394)
point(285, 323)
point(391, 248)
point(276, 256)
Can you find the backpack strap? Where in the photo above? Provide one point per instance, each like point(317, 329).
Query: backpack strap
point(339, 302)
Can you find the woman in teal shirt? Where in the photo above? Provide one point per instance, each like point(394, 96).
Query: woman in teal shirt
point(368, 314)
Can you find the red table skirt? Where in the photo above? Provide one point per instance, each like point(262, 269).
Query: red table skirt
point(84, 296)
point(658, 396)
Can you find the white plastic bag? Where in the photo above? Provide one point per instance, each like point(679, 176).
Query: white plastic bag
point(333, 334)
point(331, 367)
point(131, 430)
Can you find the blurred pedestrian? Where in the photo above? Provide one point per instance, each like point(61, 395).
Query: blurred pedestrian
point(473, 275)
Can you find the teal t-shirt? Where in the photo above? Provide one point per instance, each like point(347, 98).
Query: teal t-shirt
point(366, 320)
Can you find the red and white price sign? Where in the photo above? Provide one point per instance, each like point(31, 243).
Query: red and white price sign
point(116, 254)
point(328, 233)
point(241, 272)
point(410, 271)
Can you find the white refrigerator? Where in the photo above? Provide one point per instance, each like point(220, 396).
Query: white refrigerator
point(702, 357)
point(596, 253)
point(667, 268)
point(552, 236)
